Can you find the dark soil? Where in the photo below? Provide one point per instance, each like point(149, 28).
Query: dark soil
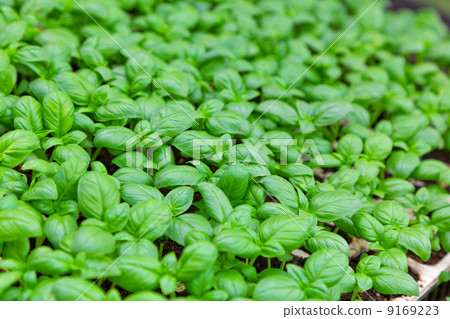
point(340, 232)
point(413, 274)
point(106, 285)
point(271, 199)
point(170, 246)
point(106, 158)
point(122, 292)
point(322, 174)
point(27, 173)
point(436, 257)
point(179, 160)
point(441, 155)
point(369, 295)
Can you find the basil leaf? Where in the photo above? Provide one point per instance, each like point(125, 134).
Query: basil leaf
point(278, 288)
point(178, 175)
point(22, 222)
point(97, 193)
point(195, 259)
point(16, 146)
point(27, 114)
point(58, 113)
point(137, 273)
point(394, 281)
point(149, 219)
point(50, 262)
point(216, 204)
point(327, 266)
point(238, 242)
point(71, 289)
point(415, 240)
point(331, 205)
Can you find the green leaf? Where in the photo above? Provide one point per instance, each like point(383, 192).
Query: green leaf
point(76, 86)
point(137, 273)
point(58, 226)
point(22, 222)
point(227, 122)
point(390, 212)
point(281, 112)
point(58, 113)
point(402, 164)
point(97, 192)
point(173, 124)
point(16, 146)
point(327, 266)
point(42, 190)
point(116, 137)
point(228, 79)
point(232, 282)
point(326, 113)
point(325, 239)
point(91, 240)
point(368, 227)
point(67, 177)
point(72, 289)
point(234, 183)
point(331, 205)
point(40, 165)
point(9, 278)
point(441, 218)
point(179, 175)
point(27, 114)
point(364, 282)
point(215, 202)
point(134, 193)
point(281, 189)
point(149, 219)
point(394, 281)
point(393, 258)
point(417, 241)
point(195, 259)
point(378, 146)
point(172, 82)
point(184, 224)
point(288, 231)
point(278, 288)
point(180, 199)
point(238, 242)
point(50, 262)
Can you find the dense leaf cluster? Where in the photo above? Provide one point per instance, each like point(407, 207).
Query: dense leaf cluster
point(102, 109)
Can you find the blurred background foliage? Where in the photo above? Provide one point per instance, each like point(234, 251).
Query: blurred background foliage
point(442, 6)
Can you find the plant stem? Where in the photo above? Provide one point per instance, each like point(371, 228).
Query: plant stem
point(252, 261)
point(161, 248)
point(382, 171)
point(173, 295)
point(336, 230)
point(355, 294)
point(268, 262)
point(96, 153)
point(335, 129)
point(39, 241)
point(282, 265)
